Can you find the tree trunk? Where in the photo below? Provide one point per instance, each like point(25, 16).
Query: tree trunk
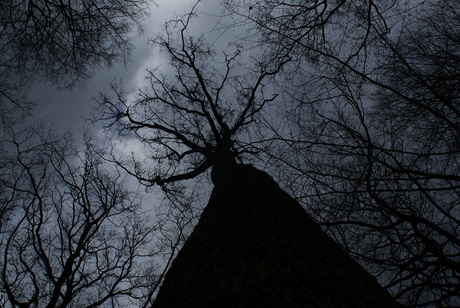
point(255, 246)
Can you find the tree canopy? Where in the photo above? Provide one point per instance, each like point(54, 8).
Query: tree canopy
point(189, 117)
point(60, 42)
point(352, 106)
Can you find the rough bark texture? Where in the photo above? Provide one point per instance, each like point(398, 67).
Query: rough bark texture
point(255, 246)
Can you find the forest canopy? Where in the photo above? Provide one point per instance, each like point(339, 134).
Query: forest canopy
point(351, 106)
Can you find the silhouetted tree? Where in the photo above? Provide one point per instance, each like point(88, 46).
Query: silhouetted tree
point(372, 147)
point(71, 234)
point(254, 245)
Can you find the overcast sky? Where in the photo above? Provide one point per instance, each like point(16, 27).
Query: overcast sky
point(65, 109)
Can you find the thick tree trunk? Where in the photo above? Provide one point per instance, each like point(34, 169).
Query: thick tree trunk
point(255, 246)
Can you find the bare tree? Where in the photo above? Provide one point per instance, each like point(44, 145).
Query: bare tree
point(185, 118)
point(71, 233)
point(253, 245)
point(374, 154)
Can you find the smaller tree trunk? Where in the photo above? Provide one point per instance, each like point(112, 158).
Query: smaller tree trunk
point(255, 246)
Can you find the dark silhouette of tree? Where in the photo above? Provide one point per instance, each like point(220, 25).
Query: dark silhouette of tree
point(71, 234)
point(254, 245)
point(372, 148)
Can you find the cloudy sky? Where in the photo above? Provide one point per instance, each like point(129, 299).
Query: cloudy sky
point(65, 108)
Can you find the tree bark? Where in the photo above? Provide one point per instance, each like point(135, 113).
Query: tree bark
point(255, 246)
